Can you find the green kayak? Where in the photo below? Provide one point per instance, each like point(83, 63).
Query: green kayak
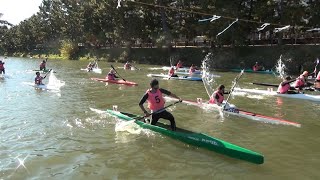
point(252, 71)
point(195, 139)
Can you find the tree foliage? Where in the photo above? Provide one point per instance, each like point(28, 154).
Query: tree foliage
point(99, 23)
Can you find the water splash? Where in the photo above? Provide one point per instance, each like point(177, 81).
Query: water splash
point(207, 78)
point(128, 126)
point(281, 68)
point(54, 83)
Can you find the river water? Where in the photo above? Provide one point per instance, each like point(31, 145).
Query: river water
point(55, 135)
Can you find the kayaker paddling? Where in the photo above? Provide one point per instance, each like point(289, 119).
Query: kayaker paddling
point(217, 96)
point(127, 65)
point(2, 69)
point(301, 81)
point(257, 67)
point(284, 86)
point(156, 102)
point(179, 65)
point(112, 75)
point(43, 65)
point(171, 72)
point(317, 82)
point(38, 79)
point(90, 66)
point(192, 70)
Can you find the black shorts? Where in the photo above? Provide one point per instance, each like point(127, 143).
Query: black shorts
point(164, 115)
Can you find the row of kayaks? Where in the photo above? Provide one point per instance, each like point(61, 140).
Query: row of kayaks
point(186, 70)
point(165, 76)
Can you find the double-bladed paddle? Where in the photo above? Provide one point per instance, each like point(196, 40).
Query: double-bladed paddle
point(117, 72)
point(233, 86)
point(160, 110)
point(47, 73)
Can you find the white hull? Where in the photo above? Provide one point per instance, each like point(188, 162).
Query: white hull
point(274, 93)
point(95, 70)
point(238, 112)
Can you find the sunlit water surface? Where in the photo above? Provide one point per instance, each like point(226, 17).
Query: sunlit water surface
point(55, 135)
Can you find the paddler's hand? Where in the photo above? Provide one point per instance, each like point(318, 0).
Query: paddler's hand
point(146, 114)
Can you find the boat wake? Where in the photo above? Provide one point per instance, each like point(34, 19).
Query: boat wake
point(128, 126)
point(124, 126)
point(255, 96)
point(54, 83)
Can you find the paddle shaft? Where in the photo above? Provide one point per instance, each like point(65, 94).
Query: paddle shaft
point(160, 110)
point(266, 84)
point(232, 88)
point(117, 72)
point(47, 73)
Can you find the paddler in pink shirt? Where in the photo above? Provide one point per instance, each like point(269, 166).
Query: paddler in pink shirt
point(156, 104)
point(192, 70)
point(301, 81)
point(179, 65)
point(171, 72)
point(317, 82)
point(284, 87)
point(111, 75)
point(217, 97)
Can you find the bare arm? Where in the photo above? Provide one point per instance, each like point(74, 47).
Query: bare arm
point(143, 99)
point(175, 96)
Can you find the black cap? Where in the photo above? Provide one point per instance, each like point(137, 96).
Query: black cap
point(154, 82)
point(221, 87)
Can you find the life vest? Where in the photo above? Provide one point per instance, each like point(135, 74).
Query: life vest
point(111, 76)
point(42, 65)
point(38, 80)
point(318, 76)
point(192, 70)
point(179, 65)
point(127, 66)
point(299, 82)
point(283, 89)
point(1, 66)
point(212, 98)
point(155, 100)
point(171, 71)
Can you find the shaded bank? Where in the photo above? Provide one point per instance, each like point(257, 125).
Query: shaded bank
point(223, 57)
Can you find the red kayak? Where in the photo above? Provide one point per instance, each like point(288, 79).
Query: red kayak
point(128, 83)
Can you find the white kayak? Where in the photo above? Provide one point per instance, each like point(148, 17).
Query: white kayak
point(131, 68)
point(95, 70)
point(274, 93)
point(42, 86)
point(233, 110)
point(167, 68)
point(167, 77)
